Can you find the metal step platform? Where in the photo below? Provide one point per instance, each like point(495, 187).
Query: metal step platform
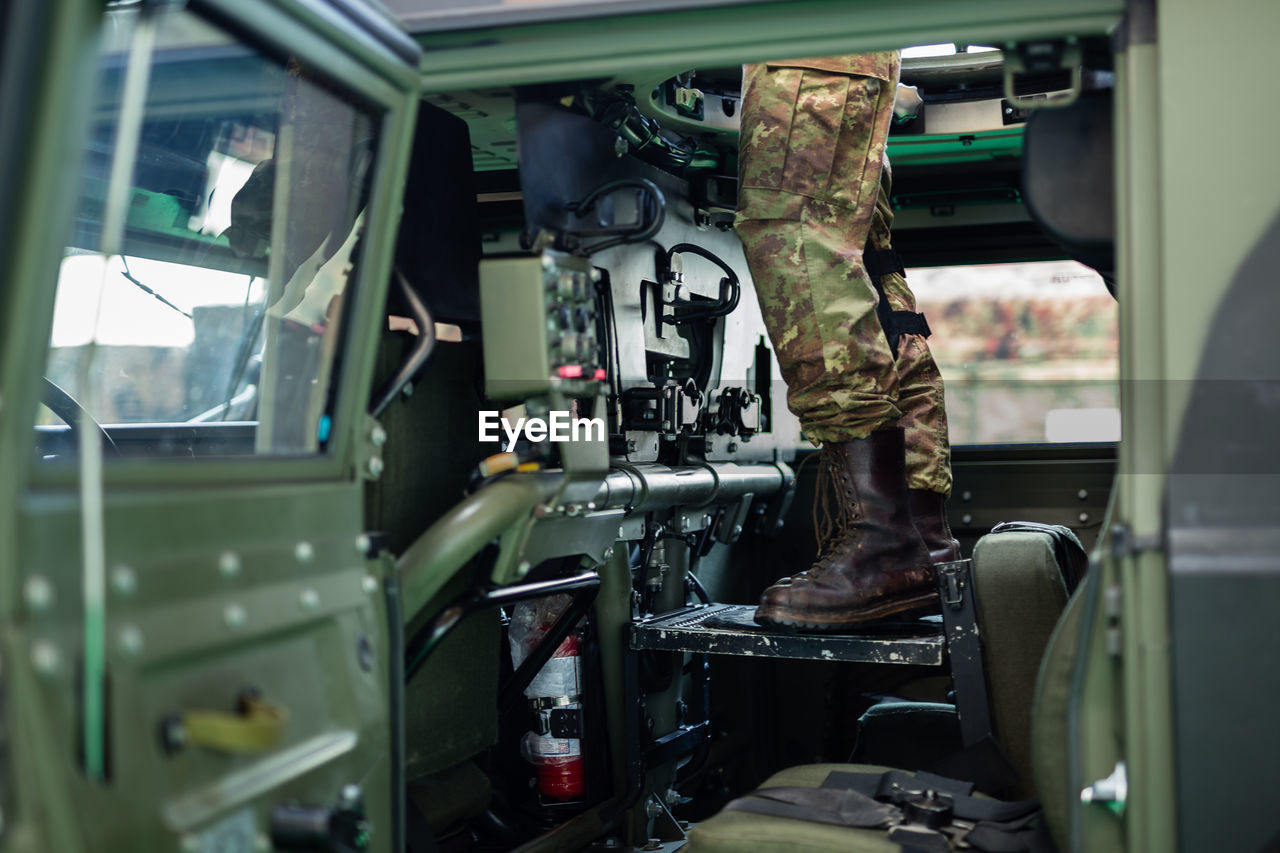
point(728, 629)
point(949, 639)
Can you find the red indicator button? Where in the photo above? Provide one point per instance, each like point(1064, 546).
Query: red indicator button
point(570, 371)
point(600, 375)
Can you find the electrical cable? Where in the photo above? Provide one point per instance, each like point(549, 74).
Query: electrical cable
point(730, 288)
point(652, 209)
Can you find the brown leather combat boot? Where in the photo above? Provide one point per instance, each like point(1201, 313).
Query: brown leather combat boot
point(875, 565)
point(929, 513)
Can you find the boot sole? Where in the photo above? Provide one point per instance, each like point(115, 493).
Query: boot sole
point(913, 605)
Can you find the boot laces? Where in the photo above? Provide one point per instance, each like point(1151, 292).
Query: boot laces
point(831, 524)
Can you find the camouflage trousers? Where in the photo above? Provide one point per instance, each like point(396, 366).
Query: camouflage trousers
point(814, 184)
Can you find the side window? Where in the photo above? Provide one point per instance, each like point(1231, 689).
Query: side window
point(213, 327)
point(1028, 351)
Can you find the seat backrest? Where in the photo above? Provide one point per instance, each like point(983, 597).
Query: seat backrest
point(1021, 593)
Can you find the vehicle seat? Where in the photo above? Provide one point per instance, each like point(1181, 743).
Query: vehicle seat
point(1025, 629)
point(1068, 178)
point(1019, 602)
point(438, 247)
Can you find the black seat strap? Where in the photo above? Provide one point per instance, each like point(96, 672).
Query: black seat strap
point(835, 806)
point(892, 801)
point(895, 787)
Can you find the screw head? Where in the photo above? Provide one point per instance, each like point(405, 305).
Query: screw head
point(131, 640)
point(45, 658)
point(229, 564)
point(309, 599)
point(375, 466)
point(350, 796)
point(363, 543)
point(123, 580)
point(1083, 494)
point(303, 552)
point(235, 616)
point(38, 592)
point(1084, 518)
point(369, 584)
point(966, 519)
point(378, 435)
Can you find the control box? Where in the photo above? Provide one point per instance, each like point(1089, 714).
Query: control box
point(540, 322)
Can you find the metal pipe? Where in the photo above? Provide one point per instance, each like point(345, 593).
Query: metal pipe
point(435, 556)
point(453, 540)
point(646, 487)
point(577, 832)
point(418, 356)
point(429, 638)
point(613, 616)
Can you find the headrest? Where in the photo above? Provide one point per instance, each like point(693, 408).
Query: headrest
point(1068, 178)
point(438, 248)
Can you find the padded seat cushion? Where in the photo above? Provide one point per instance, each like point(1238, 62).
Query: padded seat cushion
point(745, 832)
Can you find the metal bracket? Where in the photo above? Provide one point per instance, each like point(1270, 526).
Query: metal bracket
point(951, 585)
point(1033, 73)
point(1125, 544)
point(732, 523)
point(566, 722)
point(682, 741)
point(964, 649)
point(1112, 791)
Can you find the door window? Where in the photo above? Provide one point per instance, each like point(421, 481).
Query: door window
point(212, 324)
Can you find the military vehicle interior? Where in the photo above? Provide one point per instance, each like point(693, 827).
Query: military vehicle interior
point(619, 195)
point(638, 175)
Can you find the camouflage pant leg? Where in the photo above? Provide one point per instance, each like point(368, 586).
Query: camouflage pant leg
point(920, 391)
point(810, 162)
point(921, 400)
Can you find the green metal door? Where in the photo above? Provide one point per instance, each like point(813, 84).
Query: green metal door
point(196, 249)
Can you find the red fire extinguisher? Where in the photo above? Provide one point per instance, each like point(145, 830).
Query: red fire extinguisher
point(556, 695)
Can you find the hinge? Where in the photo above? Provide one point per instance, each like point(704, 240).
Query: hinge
point(953, 585)
point(1124, 544)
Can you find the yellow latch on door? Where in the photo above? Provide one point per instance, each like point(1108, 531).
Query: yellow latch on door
point(257, 728)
